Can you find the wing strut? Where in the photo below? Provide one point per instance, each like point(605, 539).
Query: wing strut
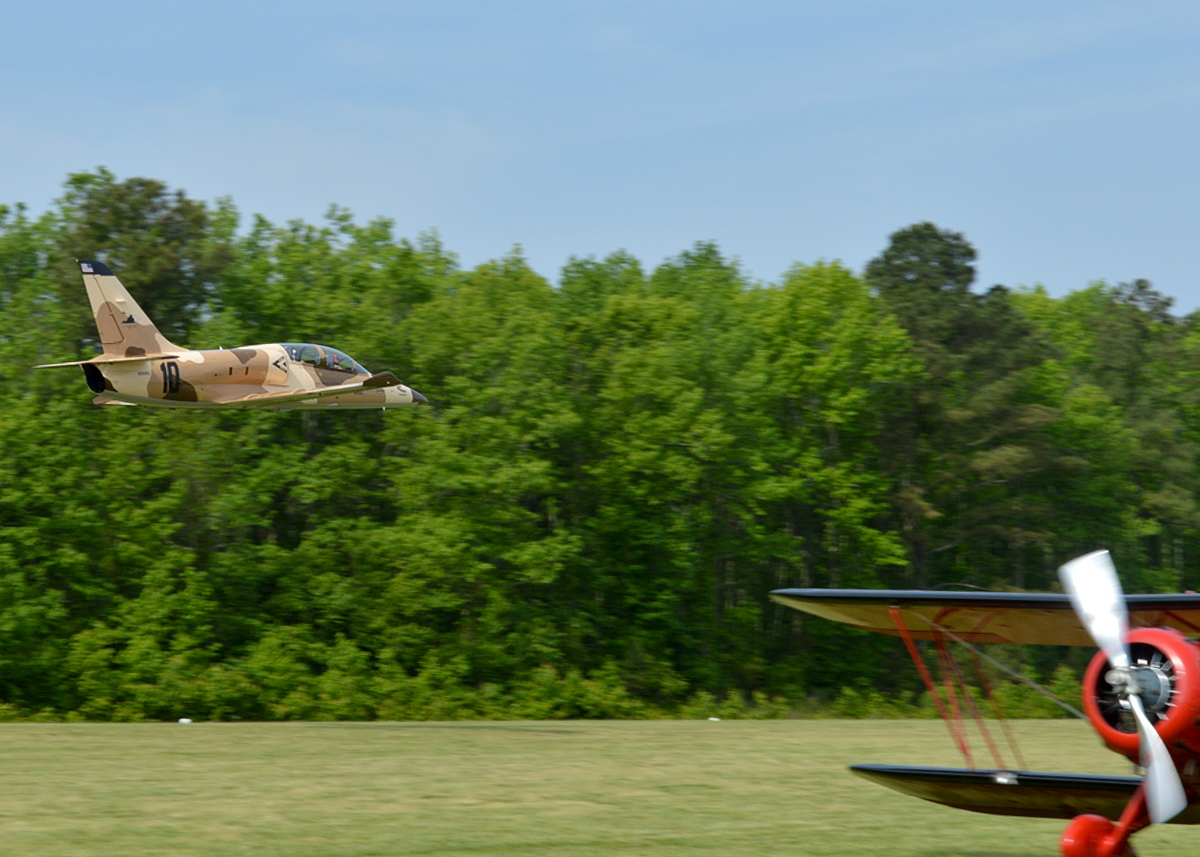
point(950, 669)
point(1000, 718)
point(955, 686)
point(955, 732)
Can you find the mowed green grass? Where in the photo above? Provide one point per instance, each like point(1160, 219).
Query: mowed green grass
point(573, 788)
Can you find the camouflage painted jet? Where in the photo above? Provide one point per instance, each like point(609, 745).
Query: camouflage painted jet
point(140, 366)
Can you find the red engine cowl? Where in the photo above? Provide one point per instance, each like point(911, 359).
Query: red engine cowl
point(1170, 680)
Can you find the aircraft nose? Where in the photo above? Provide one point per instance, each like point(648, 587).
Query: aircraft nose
point(418, 399)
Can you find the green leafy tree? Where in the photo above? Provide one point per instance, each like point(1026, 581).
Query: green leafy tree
point(832, 366)
point(969, 434)
point(158, 240)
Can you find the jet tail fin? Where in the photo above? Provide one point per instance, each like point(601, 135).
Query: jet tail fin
point(125, 329)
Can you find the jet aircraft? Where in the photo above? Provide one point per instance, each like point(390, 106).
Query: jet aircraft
point(140, 366)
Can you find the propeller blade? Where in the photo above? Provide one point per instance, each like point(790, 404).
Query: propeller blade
point(1091, 581)
point(1164, 791)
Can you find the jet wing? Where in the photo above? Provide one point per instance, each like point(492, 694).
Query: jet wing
point(984, 617)
point(1025, 793)
point(268, 400)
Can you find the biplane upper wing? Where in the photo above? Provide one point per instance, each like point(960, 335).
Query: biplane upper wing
point(1025, 793)
point(983, 617)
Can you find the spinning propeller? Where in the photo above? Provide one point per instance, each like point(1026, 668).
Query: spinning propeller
point(1091, 581)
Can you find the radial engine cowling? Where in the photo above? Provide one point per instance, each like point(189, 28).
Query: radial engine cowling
point(1166, 668)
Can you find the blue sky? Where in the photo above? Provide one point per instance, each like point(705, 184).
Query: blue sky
point(1060, 138)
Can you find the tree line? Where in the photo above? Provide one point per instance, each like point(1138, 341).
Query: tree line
point(617, 468)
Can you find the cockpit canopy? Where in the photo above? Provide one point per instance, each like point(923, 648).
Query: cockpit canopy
point(323, 357)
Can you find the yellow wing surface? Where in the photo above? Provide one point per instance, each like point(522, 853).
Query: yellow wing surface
point(983, 617)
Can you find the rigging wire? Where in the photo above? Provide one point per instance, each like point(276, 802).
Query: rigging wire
point(1033, 684)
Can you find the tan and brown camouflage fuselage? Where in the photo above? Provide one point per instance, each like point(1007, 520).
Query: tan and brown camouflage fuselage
point(140, 366)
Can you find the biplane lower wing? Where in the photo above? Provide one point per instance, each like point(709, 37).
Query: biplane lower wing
point(1025, 793)
point(983, 617)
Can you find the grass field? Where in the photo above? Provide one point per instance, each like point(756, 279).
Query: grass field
point(573, 788)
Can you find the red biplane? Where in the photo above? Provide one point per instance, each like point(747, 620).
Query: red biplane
point(1141, 692)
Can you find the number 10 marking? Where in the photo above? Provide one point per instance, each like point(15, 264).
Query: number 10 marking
point(170, 372)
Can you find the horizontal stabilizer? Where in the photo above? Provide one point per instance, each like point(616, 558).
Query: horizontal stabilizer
point(105, 361)
point(1031, 794)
